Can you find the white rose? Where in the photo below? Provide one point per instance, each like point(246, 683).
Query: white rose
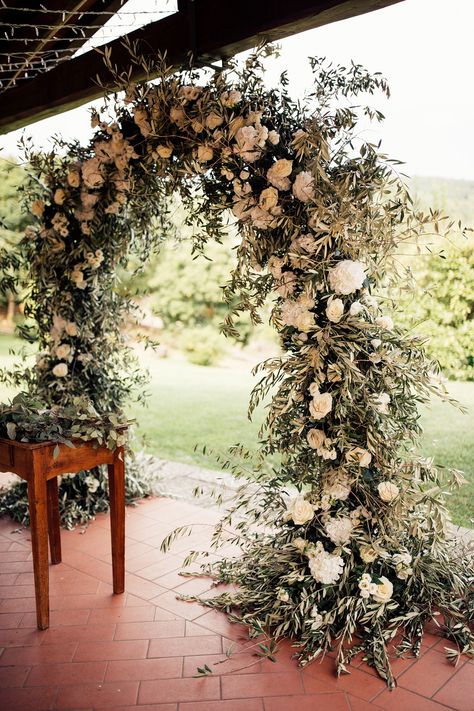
point(315, 438)
point(384, 590)
point(63, 351)
point(335, 310)
point(388, 491)
point(359, 455)
point(303, 187)
point(339, 530)
point(304, 321)
point(384, 322)
point(356, 308)
point(278, 173)
point(300, 510)
point(347, 276)
point(92, 484)
point(320, 405)
point(213, 120)
point(300, 544)
point(268, 198)
point(60, 370)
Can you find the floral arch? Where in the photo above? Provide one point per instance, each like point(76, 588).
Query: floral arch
point(357, 547)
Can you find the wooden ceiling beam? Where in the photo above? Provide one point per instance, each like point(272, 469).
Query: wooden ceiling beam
point(216, 29)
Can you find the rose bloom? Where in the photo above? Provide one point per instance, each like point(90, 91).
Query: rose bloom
point(368, 554)
point(384, 322)
point(273, 137)
point(164, 151)
point(303, 187)
point(320, 405)
point(177, 116)
point(335, 310)
point(37, 208)
point(261, 218)
point(384, 590)
point(359, 455)
point(190, 93)
point(356, 308)
point(92, 174)
point(63, 351)
point(213, 120)
point(287, 284)
point(60, 370)
point(299, 543)
point(268, 198)
point(71, 328)
point(205, 153)
point(278, 173)
point(74, 178)
point(388, 491)
point(315, 438)
point(59, 196)
point(304, 321)
point(230, 98)
point(347, 276)
point(300, 510)
point(339, 530)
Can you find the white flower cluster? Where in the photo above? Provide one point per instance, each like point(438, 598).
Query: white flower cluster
point(297, 313)
point(340, 529)
point(299, 510)
point(347, 276)
point(403, 563)
point(326, 568)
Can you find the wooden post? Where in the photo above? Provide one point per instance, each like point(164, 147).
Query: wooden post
point(37, 500)
point(53, 521)
point(116, 473)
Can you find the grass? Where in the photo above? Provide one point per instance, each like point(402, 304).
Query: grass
point(193, 406)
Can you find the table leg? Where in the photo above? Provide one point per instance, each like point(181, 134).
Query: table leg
point(117, 519)
point(37, 500)
point(53, 521)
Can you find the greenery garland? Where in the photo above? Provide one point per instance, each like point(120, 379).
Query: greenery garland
point(362, 548)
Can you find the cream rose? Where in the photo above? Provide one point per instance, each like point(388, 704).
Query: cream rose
point(347, 276)
point(356, 308)
point(384, 322)
point(268, 198)
point(37, 208)
point(164, 151)
point(74, 178)
point(59, 196)
point(368, 554)
point(205, 154)
point(384, 590)
point(92, 173)
point(335, 310)
point(229, 99)
point(300, 511)
point(273, 137)
point(278, 173)
point(63, 351)
point(60, 370)
point(320, 405)
point(388, 491)
point(303, 187)
point(315, 438)
point(359, 455)
point(213, 120)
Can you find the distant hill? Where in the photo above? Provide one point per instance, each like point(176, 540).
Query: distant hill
point(454, 197)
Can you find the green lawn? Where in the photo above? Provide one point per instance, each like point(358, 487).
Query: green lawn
point(191, 405)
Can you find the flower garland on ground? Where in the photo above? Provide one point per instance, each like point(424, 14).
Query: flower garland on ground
point(362, 548)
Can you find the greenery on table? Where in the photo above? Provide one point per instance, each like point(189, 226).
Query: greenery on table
point(362, 551)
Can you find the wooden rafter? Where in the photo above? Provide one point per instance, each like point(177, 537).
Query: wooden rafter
point(210, 28)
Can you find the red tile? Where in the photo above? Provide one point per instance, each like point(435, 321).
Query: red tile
point(10, 620)
point(150, 630)
point(8, 579)
point(220, 664)
point(320, 676)
point(401, 699)
point(40, 654)
point(88, 651)
point(333, 701)
point(179, 690)
point(428, 675)
point(16, 567)
point(459, 691)
point(145, 589)
point(143, 613)
point(13, 676)
point(20, 637)
point(58, 618)
point(97, 695)
point(144, 669)
point(9, 591)
point(219, 622)
point(70, 633)
point(147, 707)
point(181, 646)
point(18, 556)
point(228, 705)
point(195, 630)
point(255, 685)
point(188, 610)
point(66, 673)
point(15, 699)
point(356, 704)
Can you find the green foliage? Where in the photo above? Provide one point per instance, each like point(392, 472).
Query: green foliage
point(202, 346)
point(13, 220)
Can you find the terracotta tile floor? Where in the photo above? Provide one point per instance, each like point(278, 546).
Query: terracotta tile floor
point(140, 650)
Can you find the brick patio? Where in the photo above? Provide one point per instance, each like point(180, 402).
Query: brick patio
point(140, 650)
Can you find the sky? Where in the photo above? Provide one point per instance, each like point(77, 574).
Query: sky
point(423, 47)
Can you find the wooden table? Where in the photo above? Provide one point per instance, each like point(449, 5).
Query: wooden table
point(36, 464)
